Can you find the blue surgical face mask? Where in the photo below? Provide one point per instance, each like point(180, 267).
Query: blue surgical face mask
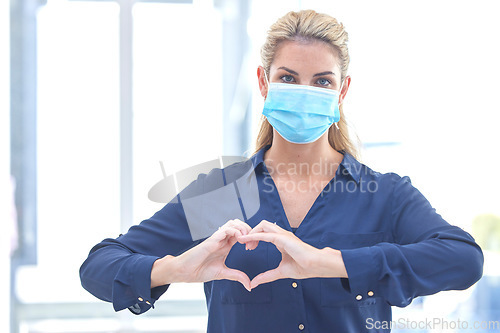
point(301, 114)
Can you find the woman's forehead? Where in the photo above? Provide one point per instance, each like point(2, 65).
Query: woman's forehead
point(307, 55)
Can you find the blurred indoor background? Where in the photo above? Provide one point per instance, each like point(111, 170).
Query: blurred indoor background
point(94, 94)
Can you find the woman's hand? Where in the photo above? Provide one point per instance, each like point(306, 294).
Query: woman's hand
point(299, 260)
point(204, 262)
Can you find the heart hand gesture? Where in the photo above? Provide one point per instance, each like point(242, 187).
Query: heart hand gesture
point(299, 260)
point(206, 261)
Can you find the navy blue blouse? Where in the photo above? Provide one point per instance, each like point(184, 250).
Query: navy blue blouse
point(394, 245)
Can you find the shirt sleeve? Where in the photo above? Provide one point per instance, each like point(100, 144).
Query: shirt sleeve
point(428, 254)
point(119, 270)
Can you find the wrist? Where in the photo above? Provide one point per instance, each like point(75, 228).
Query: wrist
point(164, 271)
point(330, 264)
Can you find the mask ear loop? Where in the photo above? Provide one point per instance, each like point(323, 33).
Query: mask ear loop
point(267, 80)
point(340, 90)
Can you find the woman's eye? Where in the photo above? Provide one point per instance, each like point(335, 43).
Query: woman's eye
point(287, 78)
point(323, 82)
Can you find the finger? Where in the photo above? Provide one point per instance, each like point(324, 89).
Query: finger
point(252, 245)
point(249, 244)
point(261, 236)
point(267, 276)
point(232, 232)
point(236, 275)
point(243, 227)
point(266, 226)
point(224, 234)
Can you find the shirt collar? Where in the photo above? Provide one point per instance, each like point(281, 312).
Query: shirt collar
point(258, 157)
point(349, 165)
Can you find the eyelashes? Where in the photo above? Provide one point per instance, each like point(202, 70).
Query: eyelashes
point(322, 82)
point(287, 78)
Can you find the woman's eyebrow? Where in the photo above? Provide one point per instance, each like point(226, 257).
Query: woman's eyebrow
point(289, 70)
point(324, 73)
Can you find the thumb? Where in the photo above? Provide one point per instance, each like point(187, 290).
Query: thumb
point(265, 277)
point(236, 275)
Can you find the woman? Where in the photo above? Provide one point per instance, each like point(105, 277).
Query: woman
point(332, 244)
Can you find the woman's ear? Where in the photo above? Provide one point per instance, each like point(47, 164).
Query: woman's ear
point(263, 84)
point(343, 90)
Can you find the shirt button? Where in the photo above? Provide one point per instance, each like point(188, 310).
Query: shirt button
point(148, 303)
point(359, 297)
point(140, 299)
point(294, 284)
point(370, 293)
point(301, 327)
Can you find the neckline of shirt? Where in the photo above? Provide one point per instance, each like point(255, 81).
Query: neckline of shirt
point(351, 166)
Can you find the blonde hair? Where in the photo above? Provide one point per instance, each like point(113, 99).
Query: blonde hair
point(307, 25)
